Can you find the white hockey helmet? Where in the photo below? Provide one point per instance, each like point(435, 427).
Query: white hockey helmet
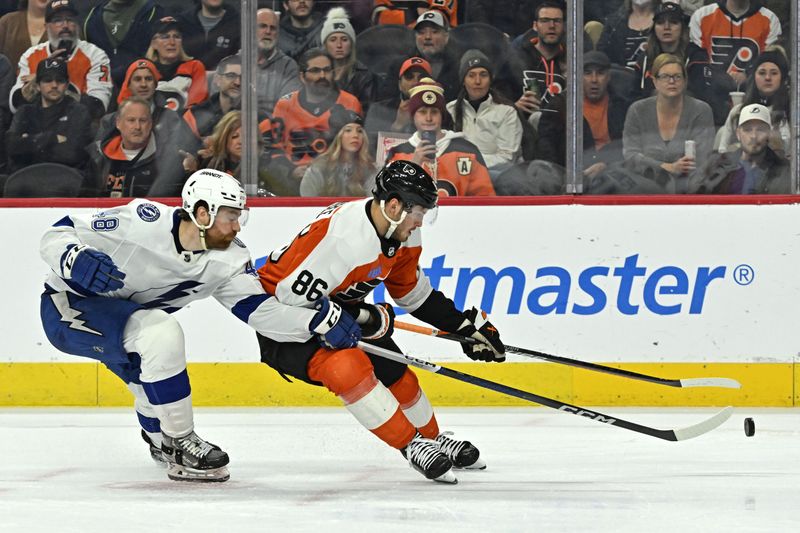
point(215, 188)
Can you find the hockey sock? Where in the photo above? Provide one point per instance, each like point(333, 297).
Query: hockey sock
point(415, 404)
point(349, 375)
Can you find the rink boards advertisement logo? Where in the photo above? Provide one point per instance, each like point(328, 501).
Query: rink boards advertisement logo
point(630, 286)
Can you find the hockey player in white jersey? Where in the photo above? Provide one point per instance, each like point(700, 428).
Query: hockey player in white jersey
point(119, 274)
point(345, 253)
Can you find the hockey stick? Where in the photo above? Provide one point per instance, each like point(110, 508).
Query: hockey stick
point(680, 383)
point(665, 434)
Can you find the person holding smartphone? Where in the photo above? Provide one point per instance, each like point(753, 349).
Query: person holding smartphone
point(455, 163)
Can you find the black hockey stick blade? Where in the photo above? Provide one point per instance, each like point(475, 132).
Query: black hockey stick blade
point(679, 383)
point(689, 432)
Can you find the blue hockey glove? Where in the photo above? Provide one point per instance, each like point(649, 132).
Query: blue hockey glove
point(477, 326)
point(92, 269)
point(335, 329)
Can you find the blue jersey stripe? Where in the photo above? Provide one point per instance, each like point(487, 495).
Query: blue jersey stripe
point(168, 390)
point(66, 221)
point(244, 308)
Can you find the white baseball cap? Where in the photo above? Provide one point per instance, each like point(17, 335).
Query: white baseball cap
point(755, 112)
point(432, 16)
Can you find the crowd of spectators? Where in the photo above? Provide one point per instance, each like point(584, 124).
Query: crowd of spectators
point(685, 96)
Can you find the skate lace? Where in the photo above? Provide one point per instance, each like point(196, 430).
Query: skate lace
point(449, 447)
point(423, 451)
point(195, 445)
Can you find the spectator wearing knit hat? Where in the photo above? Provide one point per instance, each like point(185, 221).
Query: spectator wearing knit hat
point(339, 40)
point(767, 84)
point(346, 168)
point(455, 163)
point(487, 119)
point(53, 129)
point(391, 114)
point(141, 80)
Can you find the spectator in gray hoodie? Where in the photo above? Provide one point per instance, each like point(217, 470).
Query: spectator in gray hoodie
point(277, 73)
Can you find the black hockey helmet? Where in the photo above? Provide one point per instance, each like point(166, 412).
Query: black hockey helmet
point(408, 182)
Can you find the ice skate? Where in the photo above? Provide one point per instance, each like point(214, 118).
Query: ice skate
point(461, 452)
point(155, 451)
point(191, 458)
point(424, 456)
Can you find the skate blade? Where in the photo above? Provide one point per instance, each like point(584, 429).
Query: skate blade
point(448, 477)
point(185, 473)
point(480, 464)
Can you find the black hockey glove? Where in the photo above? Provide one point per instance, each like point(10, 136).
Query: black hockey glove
point(376, 321)
point(335, 329)
point(489, 347)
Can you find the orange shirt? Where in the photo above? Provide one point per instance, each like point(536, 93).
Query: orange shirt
point(596, 114)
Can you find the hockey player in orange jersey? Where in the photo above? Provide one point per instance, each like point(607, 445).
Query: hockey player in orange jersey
point(332, 265)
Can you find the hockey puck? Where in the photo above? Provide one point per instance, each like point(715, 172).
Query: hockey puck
point(749, 427)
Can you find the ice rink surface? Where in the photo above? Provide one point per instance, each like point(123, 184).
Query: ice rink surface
point(86, 470)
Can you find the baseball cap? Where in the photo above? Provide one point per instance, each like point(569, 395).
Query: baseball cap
point(415, 62)
point(164, 24)
point(57, 6)
point(596, 58)
point(51, 69)
point(755, 112)
point(432, 16)
point(670, 10)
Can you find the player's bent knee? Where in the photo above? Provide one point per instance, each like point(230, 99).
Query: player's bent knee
point(341, 371)
point(158, 339)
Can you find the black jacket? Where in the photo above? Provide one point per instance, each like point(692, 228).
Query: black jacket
point(551, 145)
point(723, 174)
point(160, 173)
point(223, 40)
point(35, 130)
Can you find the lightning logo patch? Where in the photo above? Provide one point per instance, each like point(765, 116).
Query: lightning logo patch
point(70, 315)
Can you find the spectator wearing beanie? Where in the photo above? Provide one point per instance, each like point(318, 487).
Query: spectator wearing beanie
point(339, 40)
point(768, 85)
point(486, 119)
point(455, 163)
point(346, 168)
point(141, 80)
point(391, 114)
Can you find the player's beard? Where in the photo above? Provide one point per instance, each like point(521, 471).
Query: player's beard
point(218, 241)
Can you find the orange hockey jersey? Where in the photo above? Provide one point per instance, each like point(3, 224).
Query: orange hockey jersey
point(340, 255)
point(733, 43)
point(299, 132)
point(459, 169)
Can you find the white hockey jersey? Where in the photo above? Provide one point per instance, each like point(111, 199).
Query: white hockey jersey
point(141, 239)
point(340, 254)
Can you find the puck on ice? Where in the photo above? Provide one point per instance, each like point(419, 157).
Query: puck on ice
point(749, 427)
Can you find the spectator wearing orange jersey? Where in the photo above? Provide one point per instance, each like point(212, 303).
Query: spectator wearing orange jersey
point(300, 127)
point(406, 13)
point(87, 65)
point(455, 163)
point(182, 76)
